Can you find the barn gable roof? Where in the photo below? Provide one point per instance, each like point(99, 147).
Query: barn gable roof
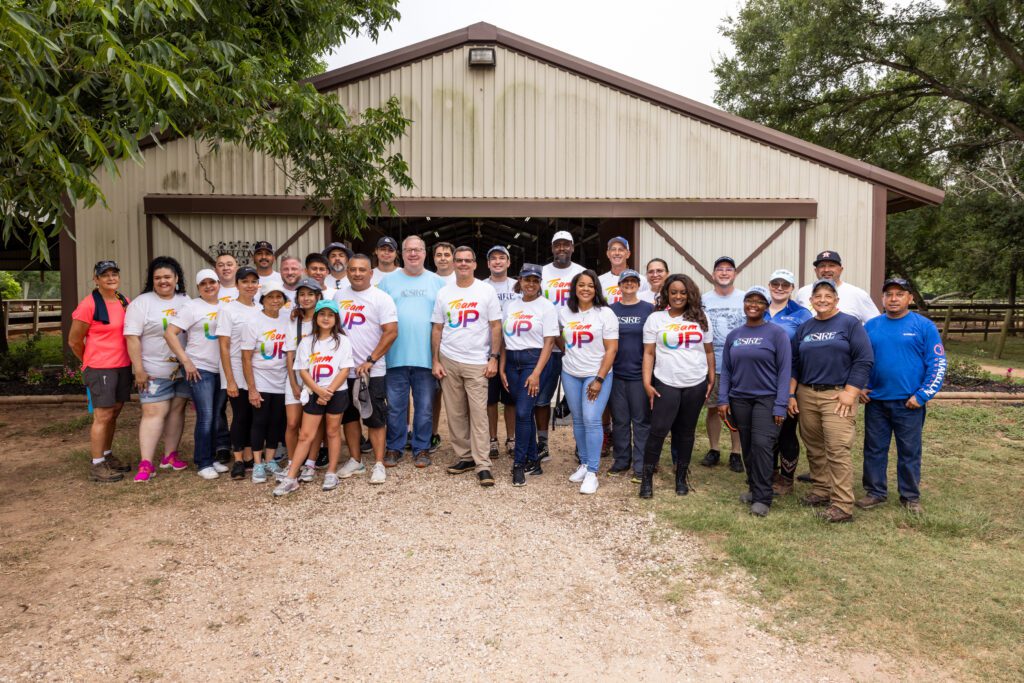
point(903, 193)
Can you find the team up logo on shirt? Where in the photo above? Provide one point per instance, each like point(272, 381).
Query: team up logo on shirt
point(226, 299)
point(210, 317)
point(353, 314)
point(274, 341)
point(613, 294)
point(168, 314)
point(577, 334)
point(320, 366)
point(462, 313)
point(557, 291)
point(518, 324)
point(681, 336)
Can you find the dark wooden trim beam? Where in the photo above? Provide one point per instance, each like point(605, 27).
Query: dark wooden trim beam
point(682, 252)
point(296, 235)
point(149, 238)
point(764, 245)
point(68, 271)
point(184, 238)
point(235, 205)
point(802, 255)
point(879, 217)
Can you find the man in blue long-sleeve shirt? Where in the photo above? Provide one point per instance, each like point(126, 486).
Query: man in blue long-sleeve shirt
point(910, 365)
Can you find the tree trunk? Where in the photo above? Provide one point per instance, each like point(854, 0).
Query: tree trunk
point(1011, 294)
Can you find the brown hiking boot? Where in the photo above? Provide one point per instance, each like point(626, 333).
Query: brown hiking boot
point(103, 473)
point(913, 506)
point(815, 501)
point(868, 502)
point(834, 515)
point(782, 487)
point(116, 464)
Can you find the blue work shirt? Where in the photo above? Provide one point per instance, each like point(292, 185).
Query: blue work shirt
point(909, 358)
point(789, 318)
point(414, 300)
point(836, 351)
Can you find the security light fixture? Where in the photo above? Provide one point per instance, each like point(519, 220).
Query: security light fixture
point(482, 57)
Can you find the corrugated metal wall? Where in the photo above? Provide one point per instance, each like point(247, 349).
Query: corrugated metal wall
point(522, 130)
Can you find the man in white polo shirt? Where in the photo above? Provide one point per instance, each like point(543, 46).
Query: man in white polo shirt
point(465, 339)
point(853, 300)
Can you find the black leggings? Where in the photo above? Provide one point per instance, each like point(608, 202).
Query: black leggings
point(676, 411)
point(758, 434)
point(241, 421)
point(787, 449)
point(268, 422)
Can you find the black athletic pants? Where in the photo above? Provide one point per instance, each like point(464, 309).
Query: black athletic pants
point(675, 412)
point(241, 421)
point(758, 434)
point(787, 449)
point(268, 422)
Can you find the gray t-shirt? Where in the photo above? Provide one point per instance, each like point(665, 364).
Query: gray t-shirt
point(725, 314)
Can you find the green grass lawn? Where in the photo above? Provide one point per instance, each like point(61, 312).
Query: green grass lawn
point(947, 586)
point(984, 351)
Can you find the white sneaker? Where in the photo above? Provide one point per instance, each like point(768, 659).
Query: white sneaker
point(330, 481)
point(286, 486)
point(220, 467)
point(208, 473)
point(579, 474)
point(589, 484)
point(352, 466)
point(379, 474)
point(307, 474)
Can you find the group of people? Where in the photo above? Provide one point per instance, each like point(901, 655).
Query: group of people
point(310, 356)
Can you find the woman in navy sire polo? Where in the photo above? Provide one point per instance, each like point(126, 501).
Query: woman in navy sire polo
point(832, 361)
point(754, 385)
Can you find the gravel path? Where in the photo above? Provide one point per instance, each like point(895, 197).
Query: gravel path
point(429, 577)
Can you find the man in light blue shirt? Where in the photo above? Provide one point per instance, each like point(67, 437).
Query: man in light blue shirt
point(414, 290)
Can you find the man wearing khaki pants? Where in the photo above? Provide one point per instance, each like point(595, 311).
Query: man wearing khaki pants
point(466, 340)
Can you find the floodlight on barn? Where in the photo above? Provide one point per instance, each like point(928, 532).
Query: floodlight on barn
point(482, 56)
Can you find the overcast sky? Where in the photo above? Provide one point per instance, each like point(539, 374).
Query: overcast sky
point(671, 44)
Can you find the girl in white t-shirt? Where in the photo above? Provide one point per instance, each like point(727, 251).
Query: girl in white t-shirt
point(307, 294)
point(678, 375)
point(324, 360)
point(590, 338)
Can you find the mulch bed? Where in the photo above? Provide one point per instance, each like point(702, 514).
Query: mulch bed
point(48, 387)
point(985, 385)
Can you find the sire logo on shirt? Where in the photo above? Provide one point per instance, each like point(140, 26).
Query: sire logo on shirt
point(352, 314)
point(613, 294)
point(272, 345)
point(210, 317)
point(462, 313)
point(320, 366)
point(518, 324)
point(681, 336)
point(577, 334)
point(629, 320)
point(168, 314)
point(747, 341)
point(557, 291)
point(412, 293)
point(820, 336)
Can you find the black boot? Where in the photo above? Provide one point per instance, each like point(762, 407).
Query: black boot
point(682, 487)
point(647, 483)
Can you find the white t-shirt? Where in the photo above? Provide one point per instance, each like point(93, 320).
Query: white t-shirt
point(527, 323)
point(227, 294)
point(323, 360)
point(335, 282)
point(267, 337)
point(232, 319)
point(610, 287)
point(584, 334)
point(648, 295)
point(379, 275)
point(199, 321)
point(267, 279)
point(679, 357)
point(147, 317)
point(555, 282)
point(725, 314)
point(466, 314)
point(449, 279)
point(505, 292)
point(362, 314)
point(852, 300)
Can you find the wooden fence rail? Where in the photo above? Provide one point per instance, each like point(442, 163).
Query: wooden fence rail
point(966, 317)
point(29, 316)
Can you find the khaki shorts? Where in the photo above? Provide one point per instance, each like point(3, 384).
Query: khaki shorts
point(108, 386)
point(712, 401)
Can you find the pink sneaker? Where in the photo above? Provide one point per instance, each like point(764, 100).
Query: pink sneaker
point(172, 461)
point(146, 471)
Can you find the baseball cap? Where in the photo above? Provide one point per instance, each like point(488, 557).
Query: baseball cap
point(103, 266)
point(498, 247)
point(758, 290)
point(361, 397)
point(245, 271)
point(329, 304)
point(273, 286)
point(206, 274)
point(783, 274)
point(826, 282)
point(620, 239)
point(725, 259)
point(898, 281)
point(337, 245)
point(530, 270)
point(828, 256)
point(562, 235)
point(629, 272)
point(387, 242)
point(263, 245)
point(309, 283)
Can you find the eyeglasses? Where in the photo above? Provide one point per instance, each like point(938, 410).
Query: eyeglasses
point(465, 260)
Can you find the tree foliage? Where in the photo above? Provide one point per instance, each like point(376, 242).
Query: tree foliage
point(83, 82)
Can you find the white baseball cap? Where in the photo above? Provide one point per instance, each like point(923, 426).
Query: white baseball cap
point(783, 274)
point(274, 286)
point(206, 274)
point(562, 235)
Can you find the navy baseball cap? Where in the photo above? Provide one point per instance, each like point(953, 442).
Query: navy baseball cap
point(337, 246)
point(498, 247)
point(530, 270)
point(629, 272)
point(897, 281)
point(621, 240)
point(103, 266)
point(831, 284)
point(828, 256)
point(387, 242)
point(263, 245)
point(725, 259)
point(245, 271)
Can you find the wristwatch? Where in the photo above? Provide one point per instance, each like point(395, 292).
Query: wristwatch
point(495, 356)
point(599, 379)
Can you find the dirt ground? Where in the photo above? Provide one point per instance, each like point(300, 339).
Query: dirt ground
point(428, 577)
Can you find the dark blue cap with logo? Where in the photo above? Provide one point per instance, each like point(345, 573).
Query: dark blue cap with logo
point(245, 271)
point(627, 273)
point(725, 259)
point(530, 270)
point(387, 242)
point(103, 266)
point(828, 256)
point(898, 282)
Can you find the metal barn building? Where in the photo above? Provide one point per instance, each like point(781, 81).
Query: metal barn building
point(508, 153)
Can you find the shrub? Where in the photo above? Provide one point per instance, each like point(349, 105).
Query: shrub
point(15, 363)
point(70, 376)
point(34, 376)
point(964, 372)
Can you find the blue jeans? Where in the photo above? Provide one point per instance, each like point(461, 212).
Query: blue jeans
point(423, 385)
point(548, 386)
point(631, 422)
point(518, 366)
point(882, 420)
point(586, 416)
point(208, 399)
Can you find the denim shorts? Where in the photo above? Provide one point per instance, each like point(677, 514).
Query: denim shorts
point(160, 389)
